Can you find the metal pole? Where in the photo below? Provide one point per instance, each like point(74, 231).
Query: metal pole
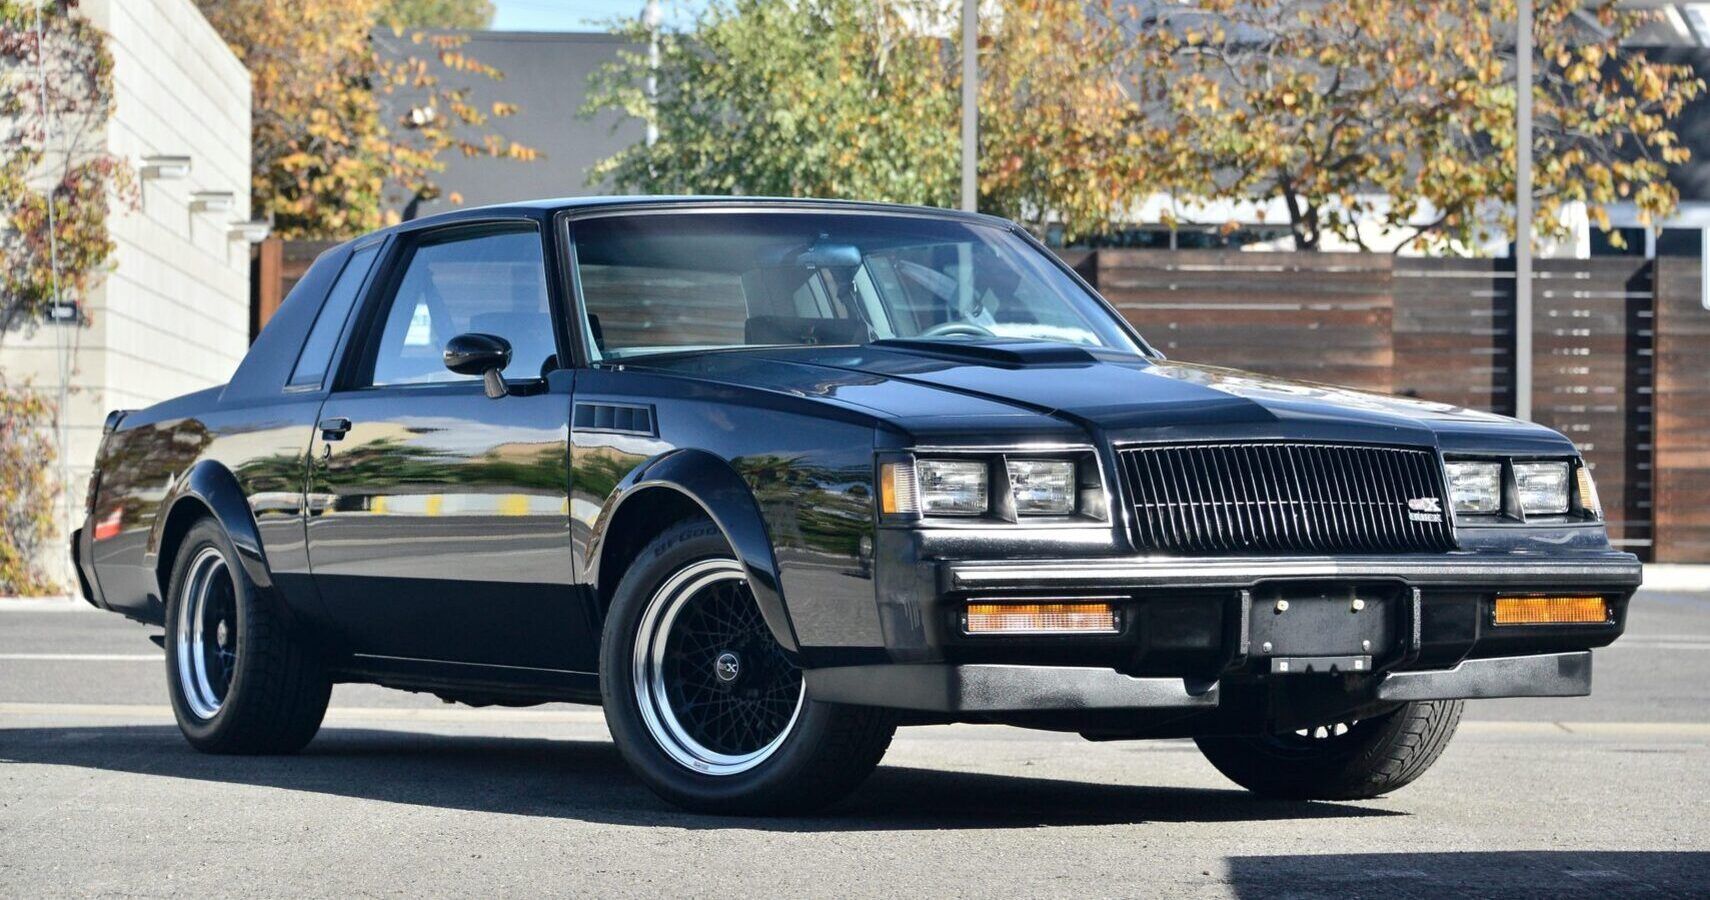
point(62, 418)
point(652, 18)
point(970, 104)
point(1523, 216)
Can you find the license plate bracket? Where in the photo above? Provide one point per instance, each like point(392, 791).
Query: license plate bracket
point(1331, 620)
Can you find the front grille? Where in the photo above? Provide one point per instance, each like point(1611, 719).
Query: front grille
point(1285, 498)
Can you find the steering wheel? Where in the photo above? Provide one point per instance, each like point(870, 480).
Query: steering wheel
point(956, 329)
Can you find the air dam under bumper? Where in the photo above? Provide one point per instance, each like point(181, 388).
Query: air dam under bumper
point(1007, 688)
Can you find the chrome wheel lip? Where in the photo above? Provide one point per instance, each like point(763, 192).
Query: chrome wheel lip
point(195, 681)
point(648, 673)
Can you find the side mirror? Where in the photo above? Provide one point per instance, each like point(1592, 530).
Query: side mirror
point(485, 355)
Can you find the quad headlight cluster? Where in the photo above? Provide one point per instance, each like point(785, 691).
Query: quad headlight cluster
point(1008, 487)
point(1521, 489)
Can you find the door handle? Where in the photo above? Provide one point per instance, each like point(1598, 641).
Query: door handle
point(334, 429)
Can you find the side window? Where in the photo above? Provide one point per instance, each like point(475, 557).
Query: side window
point(323, 337)
point(491, 282)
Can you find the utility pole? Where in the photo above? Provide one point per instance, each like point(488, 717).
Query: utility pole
point(651, 19)
point(1523, 216)
point(970, 104)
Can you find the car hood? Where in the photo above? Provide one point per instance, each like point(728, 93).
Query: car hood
point(929, 387)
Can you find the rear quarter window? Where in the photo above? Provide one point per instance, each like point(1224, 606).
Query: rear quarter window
point(317, 351)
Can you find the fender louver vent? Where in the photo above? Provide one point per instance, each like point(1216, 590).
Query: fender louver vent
point(618, 418)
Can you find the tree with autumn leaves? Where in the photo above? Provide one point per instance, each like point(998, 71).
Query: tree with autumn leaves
point(325, 149)
point(1399, 116)
point(1391, 117)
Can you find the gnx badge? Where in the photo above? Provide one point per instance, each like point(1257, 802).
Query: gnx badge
point(1425, 509)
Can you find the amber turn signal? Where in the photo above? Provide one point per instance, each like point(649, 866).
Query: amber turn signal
point(1042, 618)
point(897, 489)
point(1551, 611)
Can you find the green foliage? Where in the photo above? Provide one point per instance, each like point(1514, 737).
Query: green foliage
point(816, 98)
point(438, 13)
point(54, 156)
point(28, 493)
point(862, 99)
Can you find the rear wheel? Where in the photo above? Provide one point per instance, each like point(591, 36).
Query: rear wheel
point(239, 681)
point(704, 704)
point(1353, 760)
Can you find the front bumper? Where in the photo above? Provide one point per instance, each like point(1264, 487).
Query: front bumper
point(1196, 633)
point(1620, 571)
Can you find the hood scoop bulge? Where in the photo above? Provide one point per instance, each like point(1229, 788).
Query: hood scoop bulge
point(996, 352)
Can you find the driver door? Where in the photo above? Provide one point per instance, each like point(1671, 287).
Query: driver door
point(439, 527)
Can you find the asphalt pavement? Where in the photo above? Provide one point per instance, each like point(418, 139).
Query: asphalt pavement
point(401, 794)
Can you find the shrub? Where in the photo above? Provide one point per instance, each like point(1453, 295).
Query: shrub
point(28, 492)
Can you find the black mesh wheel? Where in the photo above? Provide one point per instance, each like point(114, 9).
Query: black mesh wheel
point(702, 700)
point(717, 692)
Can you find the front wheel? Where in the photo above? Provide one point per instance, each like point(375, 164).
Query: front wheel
point(1354, 760)
point(703, 703)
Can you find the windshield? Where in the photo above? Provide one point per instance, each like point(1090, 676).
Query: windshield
point(669, 282)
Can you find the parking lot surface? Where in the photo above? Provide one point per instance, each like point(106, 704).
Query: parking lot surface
point(401, 794)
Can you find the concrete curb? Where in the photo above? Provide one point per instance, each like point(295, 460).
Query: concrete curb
point(1676, 577)
point(42, 604)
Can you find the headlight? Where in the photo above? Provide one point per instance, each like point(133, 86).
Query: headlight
point(951, 487)
point(1476, 487)
point(1042, 487)
point(1543, 487)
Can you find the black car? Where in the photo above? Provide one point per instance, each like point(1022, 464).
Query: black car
point(767, 479)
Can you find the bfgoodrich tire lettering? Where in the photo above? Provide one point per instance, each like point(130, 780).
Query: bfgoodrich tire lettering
point(239, 681)
point(684, 606)
point(1343, 761)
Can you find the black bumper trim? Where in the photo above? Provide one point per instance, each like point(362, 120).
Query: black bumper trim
point(1605, 570)
point(1550, 675)
point(1003, 688)
point(1006, 688)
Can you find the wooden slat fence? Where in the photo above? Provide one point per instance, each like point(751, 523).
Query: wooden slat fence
point(1682, 396)
point(1315, 316)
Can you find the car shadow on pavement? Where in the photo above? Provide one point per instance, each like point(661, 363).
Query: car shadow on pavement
point(587, 780)
point(1517, 873)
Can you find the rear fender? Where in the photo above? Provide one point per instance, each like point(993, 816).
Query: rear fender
point(210, 488)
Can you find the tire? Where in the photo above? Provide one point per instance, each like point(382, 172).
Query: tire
point(1346, 761)
point(240, 682)
point(702, 702)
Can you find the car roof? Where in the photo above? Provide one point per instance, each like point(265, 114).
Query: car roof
point(688, 201)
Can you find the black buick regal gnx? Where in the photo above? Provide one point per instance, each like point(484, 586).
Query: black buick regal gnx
point(768, 479)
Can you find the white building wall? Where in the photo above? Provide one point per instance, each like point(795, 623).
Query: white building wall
point(172, 315)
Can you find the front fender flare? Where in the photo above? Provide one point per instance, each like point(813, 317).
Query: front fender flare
point(726, 499)
point(212, 486)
